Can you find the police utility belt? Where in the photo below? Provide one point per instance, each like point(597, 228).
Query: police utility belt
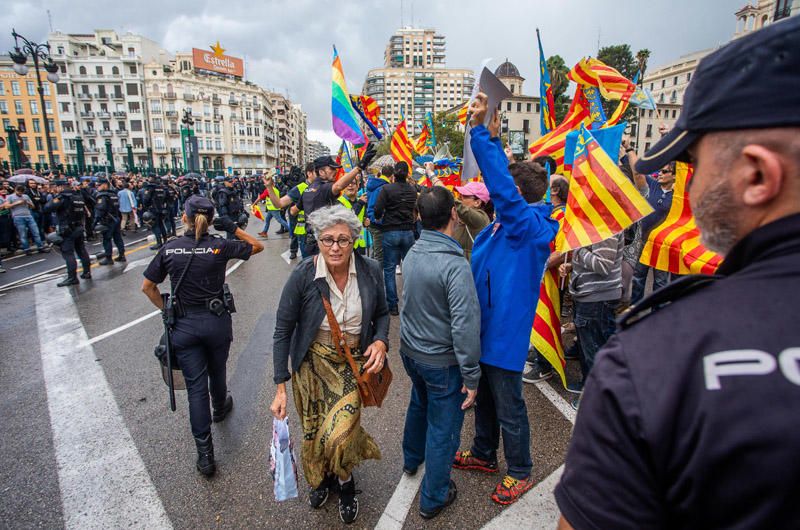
point(216, 306)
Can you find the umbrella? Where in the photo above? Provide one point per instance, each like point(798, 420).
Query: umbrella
point(192, 175)
point(385, 160)
point(23, 179)
point(24, 171)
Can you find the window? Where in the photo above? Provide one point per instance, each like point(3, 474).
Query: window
point(82, 70)
point(525, 126)
point(675, 80)
point(98, 70)
point(46, 89)
point(3, 107)
point(15, 88)
point(208, 127)
point(134, 108)
point(155, 106)
point(508, 106)
point(519, 107)
point(114, 70)
point(48, 106)
point(132, 69)
point(62, 89)
point(528, 107)
point(106, 126)
point(674, 113)
point(132, 89)
point(37, 127)
point(31, 88)
point(60, 50)
point(67, 126)
point(2, 89)
point(216, 128)
point(688, 77)
point(18, 106)
point(649, 131)
point(159, 143)
point(39, 144)
point(218, 145)
point(663, 83)
point(136, 125)
point(25, 145)
point(158, 124)
point(6, 123)
point(138, 143)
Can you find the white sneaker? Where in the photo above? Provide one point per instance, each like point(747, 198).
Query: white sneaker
point(398, 271)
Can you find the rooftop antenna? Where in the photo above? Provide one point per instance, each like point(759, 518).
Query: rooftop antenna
point(50, 20)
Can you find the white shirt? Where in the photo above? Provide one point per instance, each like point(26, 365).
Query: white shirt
point(346, 305)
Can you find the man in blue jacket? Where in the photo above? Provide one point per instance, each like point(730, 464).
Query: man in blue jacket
point(508, 260)
point(374, 185)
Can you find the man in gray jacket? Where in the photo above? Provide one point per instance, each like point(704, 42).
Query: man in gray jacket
point(440, 347)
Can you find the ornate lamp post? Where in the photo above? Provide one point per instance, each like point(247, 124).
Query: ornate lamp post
point(41, 57)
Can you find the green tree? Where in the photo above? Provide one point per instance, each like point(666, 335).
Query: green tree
point(448, 130)
point(558, 79)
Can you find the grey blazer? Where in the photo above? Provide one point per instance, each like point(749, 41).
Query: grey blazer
point(300, 313)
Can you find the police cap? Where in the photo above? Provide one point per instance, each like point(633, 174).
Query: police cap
point(749, 84)
point(325, 161)
point(103, 180)
point(198, 205)
point(60, 182)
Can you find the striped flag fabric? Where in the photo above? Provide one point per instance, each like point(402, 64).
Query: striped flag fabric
point(345, 120)
point(257, 212)
point(421, 142)
point(674, 245)
point(462, 113)
point(552, 144)
point(401, 146)
point(602, 201)
point(368, 110)
point(546, 332)
point(611, 83)
point(547, 121)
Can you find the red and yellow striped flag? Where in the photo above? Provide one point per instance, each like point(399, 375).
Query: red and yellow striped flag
point(401, 146)
point(674, 245)
point(611, 83)
point(462, 113)
point(371, 110)
point(552, 144)
point(419, 143)
point(546, 332)
point(602, 201)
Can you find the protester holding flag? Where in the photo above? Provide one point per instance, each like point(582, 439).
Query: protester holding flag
point(508, 259)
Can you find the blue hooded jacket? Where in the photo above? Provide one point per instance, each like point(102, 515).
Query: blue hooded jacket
point(508, 259)
point(374, 185)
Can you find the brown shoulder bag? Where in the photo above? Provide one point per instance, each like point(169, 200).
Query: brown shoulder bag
point(372, 387)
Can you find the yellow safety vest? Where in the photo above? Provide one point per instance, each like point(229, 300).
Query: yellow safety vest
point(271, 206)
point(300, 227)
point(360, 242)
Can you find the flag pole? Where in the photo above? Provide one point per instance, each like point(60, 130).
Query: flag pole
point(563, 278)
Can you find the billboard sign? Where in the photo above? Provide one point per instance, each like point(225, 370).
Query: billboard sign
point(216, 61)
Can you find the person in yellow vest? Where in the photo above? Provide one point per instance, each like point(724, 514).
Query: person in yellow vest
point(297, 216)
point(349, 199)
point(273, 210)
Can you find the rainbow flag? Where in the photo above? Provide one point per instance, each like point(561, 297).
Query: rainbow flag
point(546, 332)
point(345, 121)
point(553, 143)
point(401, 146)
point(602, 201)
point(547, 120)
point(674, 245)
point(611, 83)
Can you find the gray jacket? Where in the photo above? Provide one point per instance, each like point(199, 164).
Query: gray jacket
point(441, 320)
point(300, 313)
point(597, 271)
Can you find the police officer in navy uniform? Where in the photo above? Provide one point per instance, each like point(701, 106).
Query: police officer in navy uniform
point(689, 418)
point(229, 205)
point(70, 210)
point(202, 333)
point(107, 222)
point(154, 203)
point(172, 206)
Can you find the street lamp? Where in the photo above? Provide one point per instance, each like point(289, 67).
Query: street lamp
point(41, 55)
point(187, 133)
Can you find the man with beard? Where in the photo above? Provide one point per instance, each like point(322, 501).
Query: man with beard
point(686, 418)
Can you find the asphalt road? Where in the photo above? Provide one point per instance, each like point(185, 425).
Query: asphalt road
point(88, 439)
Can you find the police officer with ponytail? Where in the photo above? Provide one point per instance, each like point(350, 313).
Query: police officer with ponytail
point(202, 333)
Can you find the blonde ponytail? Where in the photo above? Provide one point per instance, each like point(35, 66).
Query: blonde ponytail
point(200, 226)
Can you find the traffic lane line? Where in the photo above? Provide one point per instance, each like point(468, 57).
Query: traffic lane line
point(27, 264)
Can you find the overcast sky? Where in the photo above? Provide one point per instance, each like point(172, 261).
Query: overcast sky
point(287, 44)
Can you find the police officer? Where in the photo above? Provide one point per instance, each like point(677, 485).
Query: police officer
point(188, 188)
point(297, 218)
point(689, 417)
point(107, 222)
point(202, 334)
point(70, 211)
point(154, 202)
point(172, 206)
point(229, 205)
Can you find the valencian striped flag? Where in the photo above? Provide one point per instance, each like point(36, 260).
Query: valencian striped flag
point(612, 84)
point(547, 120)
point(546, 332)
point(552, 144)
point(462, 113)
point(421, 143)
point(401, 146)
point(602, 201)
point(674, 245)
point(345, 121)
point(370, 113)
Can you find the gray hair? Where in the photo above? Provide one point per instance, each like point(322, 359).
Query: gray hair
point(330, 216)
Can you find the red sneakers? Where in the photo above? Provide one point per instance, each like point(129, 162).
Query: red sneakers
point(511, 489)
point(465, 460)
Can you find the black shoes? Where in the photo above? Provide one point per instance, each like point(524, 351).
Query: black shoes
point(155, 247)
point(452, 493)
point(86, 275)
point(69, 280)
point(220, 413)
point(348, 503)
point(120, 259)
point(409, 471)
point(205, 455)
point(394, 311)
point(319, 495)
point(292, 255)
point(105, 261)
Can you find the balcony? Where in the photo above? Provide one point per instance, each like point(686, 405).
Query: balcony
point(117, 97)
point(89, 132)
point(122, 132)
point(158, 129)
point(119, 114)
point(131, 58)
point(233, 101)
point(87, 114)
point(83, 96)
point(119, 150)
point(216, 101)
point(188, 96)
point(156, 110)
point(174, 132)
point(106, 132)
point(172, 114)
point(170, 95)
point(101, 97)
point(91, 150)
point(104, 115)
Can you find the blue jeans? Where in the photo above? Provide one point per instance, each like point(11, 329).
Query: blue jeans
point(594, 325)
point(396, 244)
point(275, 214)
point(500, 407)
point(433, 427)
point(660, 279)
point(24, 224)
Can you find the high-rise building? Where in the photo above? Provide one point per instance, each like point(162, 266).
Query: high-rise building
point(316, 149)
point(20, 108)
point(414, 79)
point(290, 127)
point(101, 93)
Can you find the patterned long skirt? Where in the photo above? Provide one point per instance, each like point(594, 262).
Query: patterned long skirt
point(329, 406)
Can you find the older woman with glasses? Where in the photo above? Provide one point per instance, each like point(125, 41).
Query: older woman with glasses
point(324, 388)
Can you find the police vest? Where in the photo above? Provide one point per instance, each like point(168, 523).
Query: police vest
point(109, 202)
point(74, 210)
point(300, 226)
point(360, 242)
point(155, 198)
point(271, 206)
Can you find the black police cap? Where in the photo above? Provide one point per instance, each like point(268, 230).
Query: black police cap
point(103, 180)
point(198, 205)
point(325, 161)
point(750, 83)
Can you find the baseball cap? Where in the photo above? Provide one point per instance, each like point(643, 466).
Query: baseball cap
point(750, 83)
point(474, 189)
point(198, 205)
point(325, 161)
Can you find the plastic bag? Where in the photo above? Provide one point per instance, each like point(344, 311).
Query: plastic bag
point(282, 464)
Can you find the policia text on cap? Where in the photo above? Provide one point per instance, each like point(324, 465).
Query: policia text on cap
point(202, 332)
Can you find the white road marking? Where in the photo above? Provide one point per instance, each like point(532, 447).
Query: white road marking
point(395, 513)
point(559, 402)
point(285, 257)
point(138, 263)
point(27, 264)
point(102, 478)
